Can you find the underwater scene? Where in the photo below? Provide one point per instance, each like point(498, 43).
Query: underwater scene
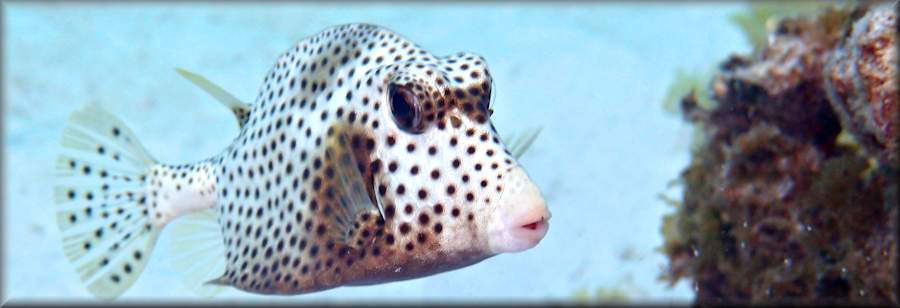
point(449, 152)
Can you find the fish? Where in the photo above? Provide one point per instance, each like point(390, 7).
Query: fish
point(364, 159)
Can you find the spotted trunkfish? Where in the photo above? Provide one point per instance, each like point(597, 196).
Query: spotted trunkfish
point(363, 160)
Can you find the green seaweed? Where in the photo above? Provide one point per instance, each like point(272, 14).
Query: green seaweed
point(687, 82)
point(621, 292)
point(762, 17)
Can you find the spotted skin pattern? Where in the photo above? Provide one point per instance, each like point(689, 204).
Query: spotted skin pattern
point(274, 181)
point(415, 127)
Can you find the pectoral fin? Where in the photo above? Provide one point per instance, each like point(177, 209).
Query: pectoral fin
point(520, 143)
point(350, 188)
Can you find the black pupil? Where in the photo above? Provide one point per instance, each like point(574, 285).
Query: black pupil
point(403, 108)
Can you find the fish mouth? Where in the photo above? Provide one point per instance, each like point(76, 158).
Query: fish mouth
point(534, 226)
point(528, 231)
point(522, 218)
point(537, 218)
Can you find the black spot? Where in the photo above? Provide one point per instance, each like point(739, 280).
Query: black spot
point(389, 211)
point(391, 167)
point(404, 228)
point(423, 194)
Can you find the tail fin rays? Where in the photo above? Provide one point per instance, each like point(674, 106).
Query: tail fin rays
point(101, 203)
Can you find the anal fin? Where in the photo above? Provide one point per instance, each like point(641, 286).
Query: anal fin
point(198, 252)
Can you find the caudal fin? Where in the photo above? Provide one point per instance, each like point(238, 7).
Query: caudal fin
point(101, 203)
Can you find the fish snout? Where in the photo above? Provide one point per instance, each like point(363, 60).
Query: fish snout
point(522, 218)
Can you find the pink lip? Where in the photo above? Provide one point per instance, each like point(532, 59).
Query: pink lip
point(535, 225)
point(534, 230)
point(535, 219)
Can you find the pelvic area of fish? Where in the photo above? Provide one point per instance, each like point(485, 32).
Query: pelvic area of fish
point(364, 159)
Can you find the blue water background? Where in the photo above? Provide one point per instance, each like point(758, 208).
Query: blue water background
point(593, 75)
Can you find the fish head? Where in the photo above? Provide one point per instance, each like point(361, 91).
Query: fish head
point(449, 187)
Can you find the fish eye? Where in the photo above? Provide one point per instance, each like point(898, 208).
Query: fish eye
point(405, 108)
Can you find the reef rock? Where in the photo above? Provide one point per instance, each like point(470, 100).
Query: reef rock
point(776, 207)
point(861, 81)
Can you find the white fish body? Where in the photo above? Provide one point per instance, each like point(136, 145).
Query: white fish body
point(364, 159)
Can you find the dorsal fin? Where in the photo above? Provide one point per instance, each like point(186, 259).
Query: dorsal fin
point(240, 109)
